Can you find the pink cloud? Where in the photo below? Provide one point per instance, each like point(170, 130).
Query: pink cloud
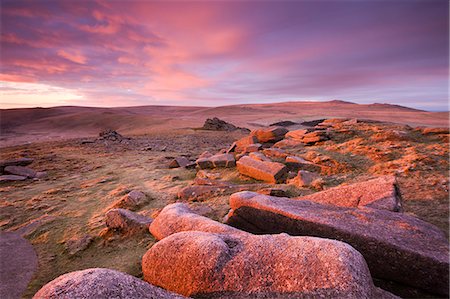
point(74, 56)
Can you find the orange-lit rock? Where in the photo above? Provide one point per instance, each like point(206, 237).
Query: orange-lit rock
point(380, 193)
point(271, 134)
point(201, 257)
point(271, 172)
point(396, 246)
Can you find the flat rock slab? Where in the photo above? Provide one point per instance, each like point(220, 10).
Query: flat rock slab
point(205, 192)
point(379, 193)
point(101, 283)
point(18, 262)
point(396, 246)
point(271, 172)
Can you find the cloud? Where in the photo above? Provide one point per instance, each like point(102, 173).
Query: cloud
point(73, 56)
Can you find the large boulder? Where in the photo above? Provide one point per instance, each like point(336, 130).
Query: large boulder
point(271, 172)
point(11, 178)
point(271, 134)
point(126, 221)
point(178, 217)
point(101, 284)
point(241, 144)
point(295, 163)
point(380, 193)
point(297, 134)
point(397, 247)
point(200, 257)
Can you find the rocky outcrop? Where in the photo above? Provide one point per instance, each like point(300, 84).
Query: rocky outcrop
point(101, 284)
point(271, 134)
point(297, 134)
point(271, 172)
point(397, 247)
point(200, 257)
point(110, 135)
point(284, 123)
point(216, 124)
point(126, 221)
point(379, 193)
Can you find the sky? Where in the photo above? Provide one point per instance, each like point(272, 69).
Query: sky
point(212, 53)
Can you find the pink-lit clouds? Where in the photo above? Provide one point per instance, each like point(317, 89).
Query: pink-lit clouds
point(120, 53)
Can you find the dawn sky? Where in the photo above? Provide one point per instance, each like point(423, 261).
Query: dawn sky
point(210, 53)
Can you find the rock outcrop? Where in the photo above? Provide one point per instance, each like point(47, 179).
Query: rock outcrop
point(110, 135)
point(397, 247)
point(200, 257)
point(101, 283)
point(271, 172)
point(216, 124)
point(379, 193)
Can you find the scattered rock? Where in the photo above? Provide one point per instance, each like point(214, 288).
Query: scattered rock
point(216, 161)
point(21, 171)
point(179, 162)
point(271, 134)
point(101, 284)
point(214, 188)
point(11, 178)
point(396, 246)
point(203, 174)
point(259, 156)
point(18, 262)
point(379, 193)
point(295, 163)
point(271, 172)
point(216, 124)
point(41, 175)
point(254, 147)
point(244, 142)
point(132, 200)
point(273, 192)
point(87, 141)
point(200, 257)
point(297, 134)
point(126, 221)
point(314, 137)
point(284, 123)
point(288, 143)
point(75, 245)
point(305, 178)
point(110, 135)
point(274, 152)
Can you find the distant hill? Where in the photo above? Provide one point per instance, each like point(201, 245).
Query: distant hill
point(31, 124)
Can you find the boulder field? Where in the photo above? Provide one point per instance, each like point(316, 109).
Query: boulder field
point(396, 246)
point(203, 258)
